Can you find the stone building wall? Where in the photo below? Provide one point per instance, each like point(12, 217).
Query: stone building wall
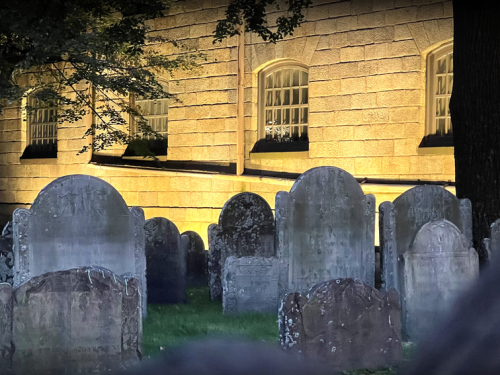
point(367, 111)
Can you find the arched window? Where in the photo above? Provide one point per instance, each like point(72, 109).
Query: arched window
point(156, 113)
point(284, 108)
point(439, 129)
point(41, 134)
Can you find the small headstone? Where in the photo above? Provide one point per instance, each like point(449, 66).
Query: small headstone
point(492, 244)
point(76, 221)
point(82, 320)
point(6, 255)
point(6, 344)
point(438, 267)
point(344, 322)
point(246, 228)
point(324, 230)
point(250, 284)
point(166, 255)
point(197, 261)
point(401, 220)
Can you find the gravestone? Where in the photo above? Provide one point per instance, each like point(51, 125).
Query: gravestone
point(6, 345)
point(325, 230)
point(250, 284)
point(401, 220)
point(6, 255)
point(492, 244)
point(197, 261)
point(344, 322)
point(166, 255)
point(76, 221)
point(82, 320)
point(246, 228)
point(438, 267)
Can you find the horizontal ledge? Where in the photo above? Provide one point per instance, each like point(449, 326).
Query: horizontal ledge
point(435, 150)
point(279, 155)
point(39, 161)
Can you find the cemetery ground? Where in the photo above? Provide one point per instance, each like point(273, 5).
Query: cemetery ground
point(169, 325)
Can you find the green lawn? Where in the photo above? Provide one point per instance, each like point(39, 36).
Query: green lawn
point(169, 325)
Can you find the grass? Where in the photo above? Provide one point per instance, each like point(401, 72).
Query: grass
point(169, 325)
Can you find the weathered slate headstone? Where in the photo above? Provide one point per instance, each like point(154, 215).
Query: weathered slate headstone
point(250, 284)
point(82, 320)
point(439, 266)
point(6, 255)
point(197, 261)
point(166, 255)
point(6, 344)
point(344, 322)
point(492, 244)
point(76, 221)
point(325, 230)
point(246, 228)
point(402, 219)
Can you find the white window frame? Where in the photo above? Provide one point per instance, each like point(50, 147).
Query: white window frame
point(432, 95)
point(263, 91)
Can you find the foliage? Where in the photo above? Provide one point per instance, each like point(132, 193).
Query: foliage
point(78, 52)
point(253, 14)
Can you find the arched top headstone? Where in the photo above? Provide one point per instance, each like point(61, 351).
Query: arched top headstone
point(78, 221)
point(166, 256)
point(492, 244)
point(246, 228)
point(439, 237)
point(325, 230)
point(196, 243)
point(401, 220)
point(197, 261)
point(245, 210)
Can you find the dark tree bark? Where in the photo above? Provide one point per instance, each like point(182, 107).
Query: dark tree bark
point(475, 112)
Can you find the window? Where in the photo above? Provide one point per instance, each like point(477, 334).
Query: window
point(439, 129)
point(41, 130)
point(156, 113)
point(284, 109)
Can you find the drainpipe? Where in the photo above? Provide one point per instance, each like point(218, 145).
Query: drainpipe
point(240, 113)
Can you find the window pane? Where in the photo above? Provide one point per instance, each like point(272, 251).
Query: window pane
point(295, 80)
point(304, 79)
point(441, 66)
point(286, 78)
point(440, 107)
point(286, 133)
point(277, 98)
point(286, 98)
point(277, 79)
point(277, 133)
point(286, 116)
point(295, 133)
point(441, 85)
point(440, 126)
point(277, 117)
point(305, 94)
point(295, 115)
point(295, 98)
point(450, 63)
point(304, 116)
point(269, 98)
point(269, 81)
point(269, 133)
point(304, 135)
point(269, 117)
point(450, 83)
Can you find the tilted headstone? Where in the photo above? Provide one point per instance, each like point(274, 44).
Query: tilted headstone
point(6, 255)
point(77, 221)
point(82, 320)
point(166, 255)
point(344, 322)
point(401, 220)
point(197, 261)
point(492, 244)
point(6, 344)
point(246, 228)
point(250, 284)
point(325, 230)
point(439, 266)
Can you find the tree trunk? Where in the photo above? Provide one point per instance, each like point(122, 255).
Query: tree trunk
point(475, 112)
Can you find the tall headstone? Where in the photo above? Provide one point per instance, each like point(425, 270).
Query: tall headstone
point(250, 284)
point(76, 221)
point(166, 256)
point(197, 261)
point(492, 244)
point(325, 230)
point(246, 228)
point(82, 320)
point(438, 267)
point(6, 255)
point(402, 219)
point(344, 322)
point(6, 344)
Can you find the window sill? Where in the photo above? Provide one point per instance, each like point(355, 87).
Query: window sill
point(435, 150)
point(38, 160)
point(279, 155)
point(159, 157)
